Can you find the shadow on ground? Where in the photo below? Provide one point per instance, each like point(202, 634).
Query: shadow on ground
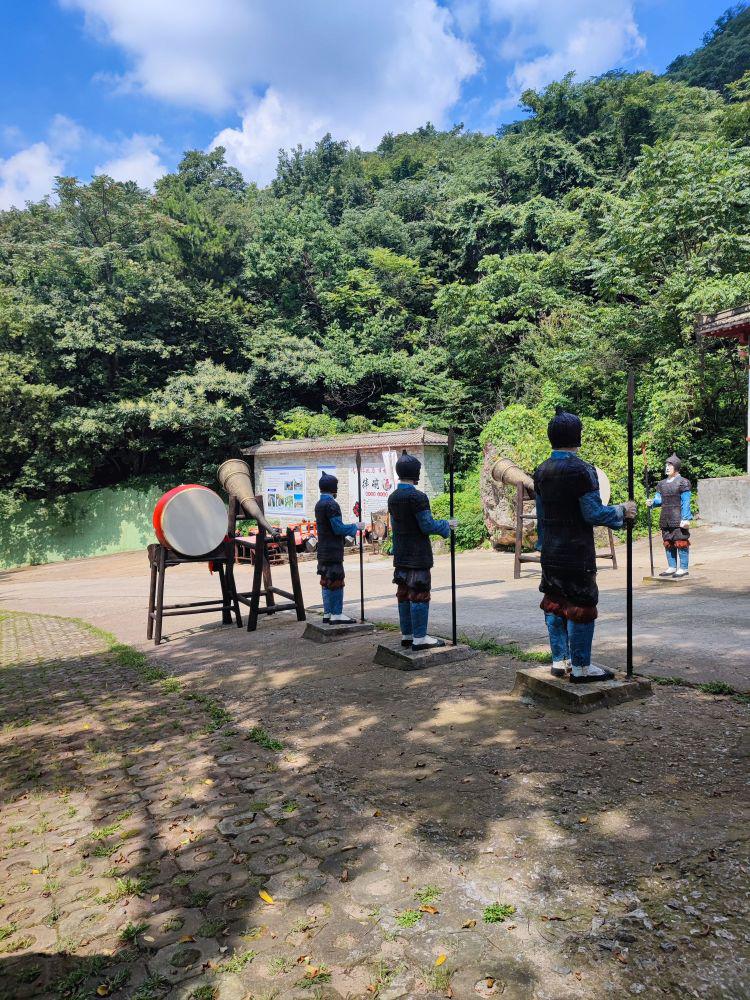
point(141, 822)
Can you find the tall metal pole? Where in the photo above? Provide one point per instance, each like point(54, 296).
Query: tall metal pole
point(360, 517)
point(629, 558)
point(648, 509)
point(451, 496)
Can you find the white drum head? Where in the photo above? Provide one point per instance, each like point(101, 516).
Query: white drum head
point(194, 521)
point(605, 490)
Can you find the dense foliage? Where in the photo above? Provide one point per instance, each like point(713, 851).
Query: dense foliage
point(724, 56)
point(436, 280)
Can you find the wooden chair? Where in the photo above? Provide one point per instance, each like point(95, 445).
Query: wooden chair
point(161, 559)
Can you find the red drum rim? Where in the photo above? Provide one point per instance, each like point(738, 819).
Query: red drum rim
point(193, 524)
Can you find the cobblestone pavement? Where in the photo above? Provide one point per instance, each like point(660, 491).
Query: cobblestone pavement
point(152, 846)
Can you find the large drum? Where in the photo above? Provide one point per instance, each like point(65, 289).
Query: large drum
point(191, 520)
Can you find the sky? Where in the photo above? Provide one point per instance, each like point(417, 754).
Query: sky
point(124, 87)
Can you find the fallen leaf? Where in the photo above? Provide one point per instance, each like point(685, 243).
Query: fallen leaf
point(468, 924)
point(440, 959)
point(376, 813)
point(583, 819)
point(185, 938)
point(344, 875)
point(311, 971)
point(155, 898)
point(429, 909)
point(489, 982)
point(102, 990)
point(266, 897)
point(36, 871)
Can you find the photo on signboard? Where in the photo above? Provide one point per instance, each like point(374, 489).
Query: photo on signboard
point(288, 485)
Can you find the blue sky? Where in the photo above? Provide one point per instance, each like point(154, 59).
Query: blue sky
point(125, 86)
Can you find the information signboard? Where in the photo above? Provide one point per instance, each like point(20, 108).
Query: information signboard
point(377, 484)
point(284, 491)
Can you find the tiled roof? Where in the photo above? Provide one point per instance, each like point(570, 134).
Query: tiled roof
point(373, 440)
point(727, 323)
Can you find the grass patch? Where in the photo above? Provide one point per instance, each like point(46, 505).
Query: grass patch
point(206, 992)
point(66, 985)
point(8, 931)
point(258, 735)
point(105, 831)
point(218, 715)
point(131, 933)
point(152, 988)
point(408, 918)
point(125, 887)
point(428, 894)
point(716, 687)
point(104, 850)
point(278, 966)
point(709, 687)
point(497, 913)
point(487, 645)
point(200, 898)
point(437, 980)
point(315, 976)
point(238, 961)
point(211, 928)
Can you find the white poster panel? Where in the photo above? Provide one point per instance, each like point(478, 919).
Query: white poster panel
point(377, 484)
point(284, 491)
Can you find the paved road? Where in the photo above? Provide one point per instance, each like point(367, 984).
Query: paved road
point(697, 629)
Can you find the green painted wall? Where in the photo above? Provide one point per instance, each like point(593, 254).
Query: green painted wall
point(92, 523)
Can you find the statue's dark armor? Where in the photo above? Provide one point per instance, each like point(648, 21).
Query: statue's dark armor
point(568, 541)
point(411, 547)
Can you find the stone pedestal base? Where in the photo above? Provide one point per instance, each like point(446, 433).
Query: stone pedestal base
point(404, 659)
point(538, 685)
point(320, 632)
point(670, 579)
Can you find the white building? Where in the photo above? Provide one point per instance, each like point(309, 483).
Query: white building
point(286, 473)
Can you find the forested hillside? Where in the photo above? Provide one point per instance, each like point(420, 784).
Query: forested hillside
point(434, 280)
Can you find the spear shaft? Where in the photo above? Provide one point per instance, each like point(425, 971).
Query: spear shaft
point(360, 517)
point(648, 509)
point(451, 497)
point(629, 525)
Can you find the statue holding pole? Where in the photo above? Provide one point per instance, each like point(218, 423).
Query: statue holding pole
point(569, 505)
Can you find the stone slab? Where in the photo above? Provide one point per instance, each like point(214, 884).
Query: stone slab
point(318, 632)
point(392, 655)
point(538, 685)
point(671, 579)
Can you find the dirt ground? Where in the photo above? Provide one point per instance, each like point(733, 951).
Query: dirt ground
point(418, 834)
point(697, 629)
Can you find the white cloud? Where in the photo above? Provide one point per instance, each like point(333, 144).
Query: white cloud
point(545, 39)
point(28, 175)
point(135, 160)
point(292, 70)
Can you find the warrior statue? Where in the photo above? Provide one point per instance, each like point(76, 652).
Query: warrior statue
point(569, 505)
point(674, 497)
point(412, 524)
point(331, 533)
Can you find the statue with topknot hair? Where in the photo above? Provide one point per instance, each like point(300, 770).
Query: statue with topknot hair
point(674, 496)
